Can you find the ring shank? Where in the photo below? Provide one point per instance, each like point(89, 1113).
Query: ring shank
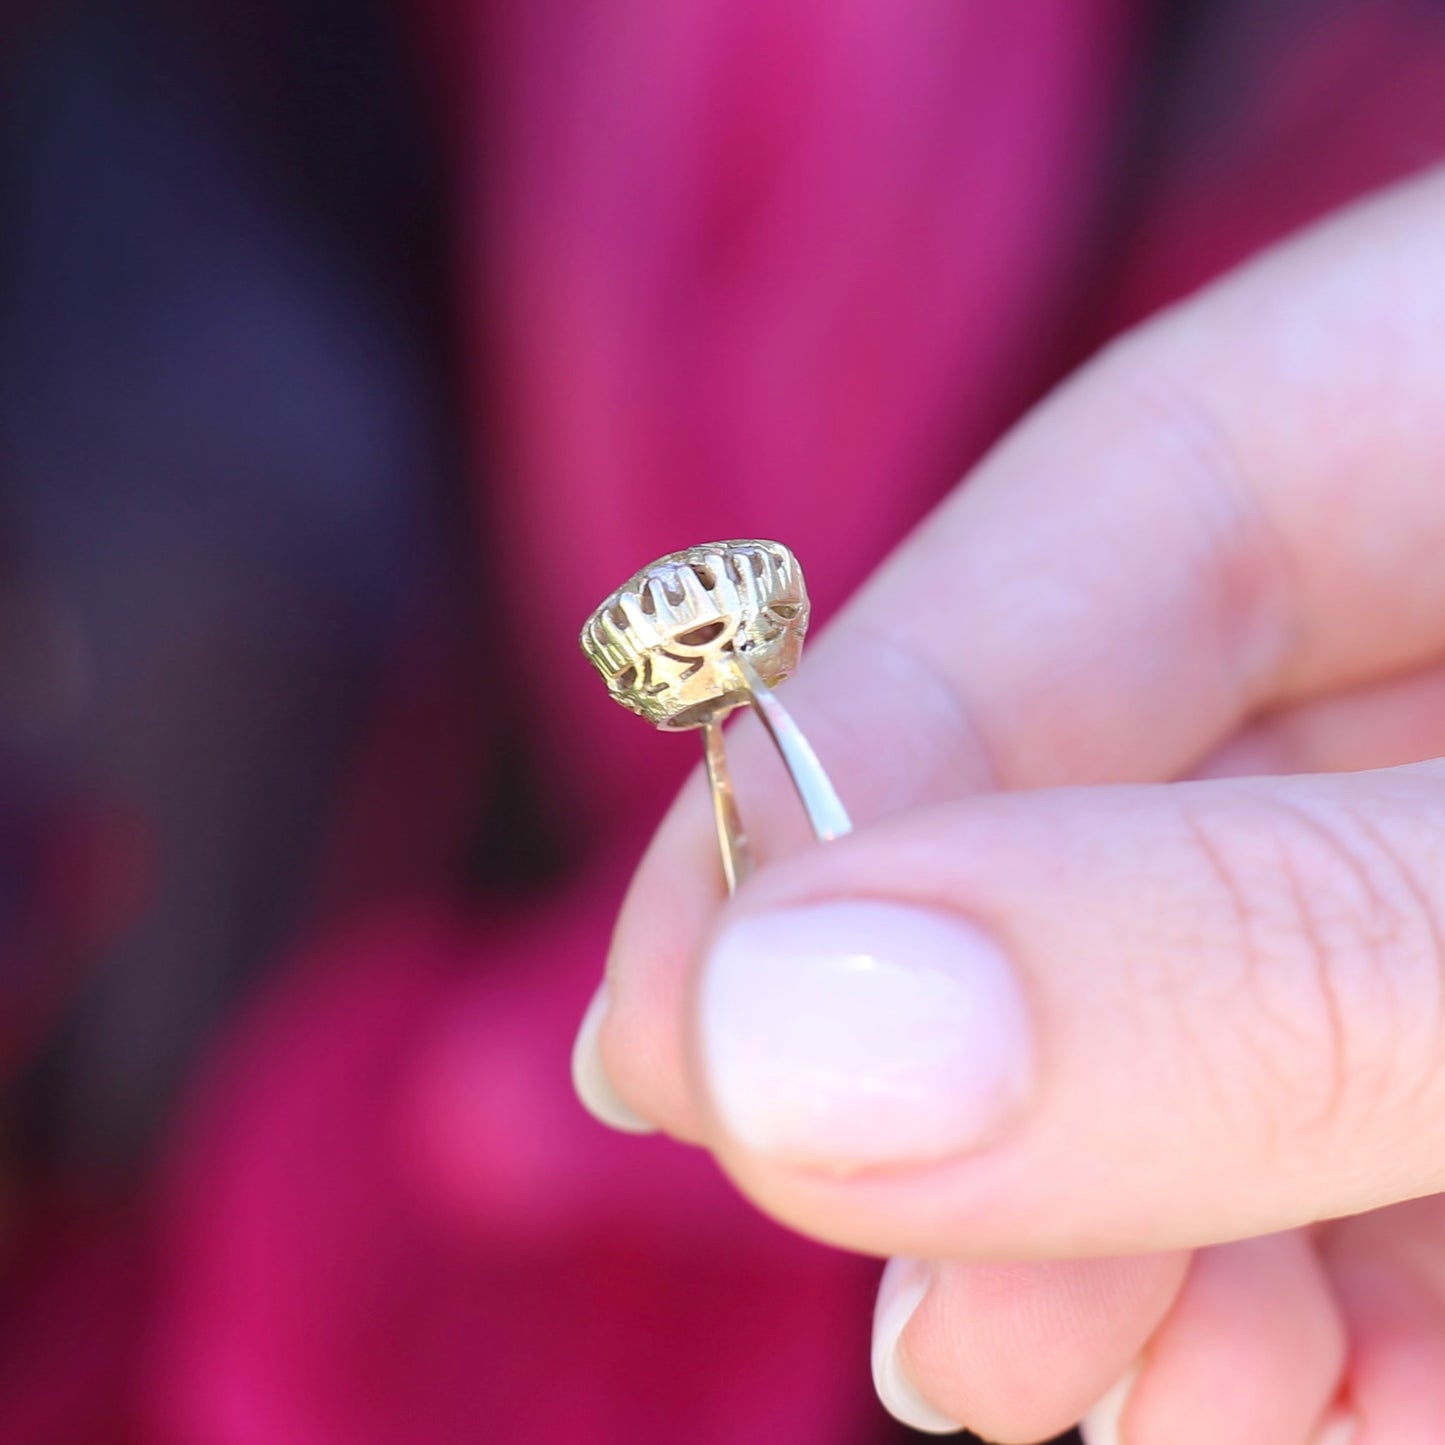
point(732, 840)
point(826, 814)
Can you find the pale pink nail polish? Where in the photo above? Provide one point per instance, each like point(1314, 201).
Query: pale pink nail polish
point(901, 1290)
point(859, 1034)
point(589, 1078)
point(1102, 1425)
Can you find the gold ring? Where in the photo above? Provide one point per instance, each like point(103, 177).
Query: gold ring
point(698, 633)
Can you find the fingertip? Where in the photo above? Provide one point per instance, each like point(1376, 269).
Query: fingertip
point(589, 1078)
point(901, 1290)
point(1254, 1347)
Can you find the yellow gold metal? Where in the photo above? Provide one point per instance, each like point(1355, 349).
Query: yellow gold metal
point(699, 633)
point(732, 841)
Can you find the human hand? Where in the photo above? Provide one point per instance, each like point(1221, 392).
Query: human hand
point(1124, 1040)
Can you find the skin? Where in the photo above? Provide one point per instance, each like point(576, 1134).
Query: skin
point(1152, 700)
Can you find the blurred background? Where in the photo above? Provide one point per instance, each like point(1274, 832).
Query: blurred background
point(350, 351)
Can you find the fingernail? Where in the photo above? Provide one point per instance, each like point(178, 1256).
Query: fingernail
point(857, 1034)
point(900, 1292)
point(1340, 1427)
point(590, 1080)
point(1101, 1425)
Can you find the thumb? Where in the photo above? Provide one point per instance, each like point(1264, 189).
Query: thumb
point(1088, 1020)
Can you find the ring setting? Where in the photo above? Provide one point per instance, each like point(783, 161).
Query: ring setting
point(699, 633)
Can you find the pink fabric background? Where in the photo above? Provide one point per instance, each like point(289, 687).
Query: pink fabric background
point(774, 269)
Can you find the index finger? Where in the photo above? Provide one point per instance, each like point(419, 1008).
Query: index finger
point(1237, 505)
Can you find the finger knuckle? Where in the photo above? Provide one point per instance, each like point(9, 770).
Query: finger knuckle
point(1338, 958)
point(1239, 555)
